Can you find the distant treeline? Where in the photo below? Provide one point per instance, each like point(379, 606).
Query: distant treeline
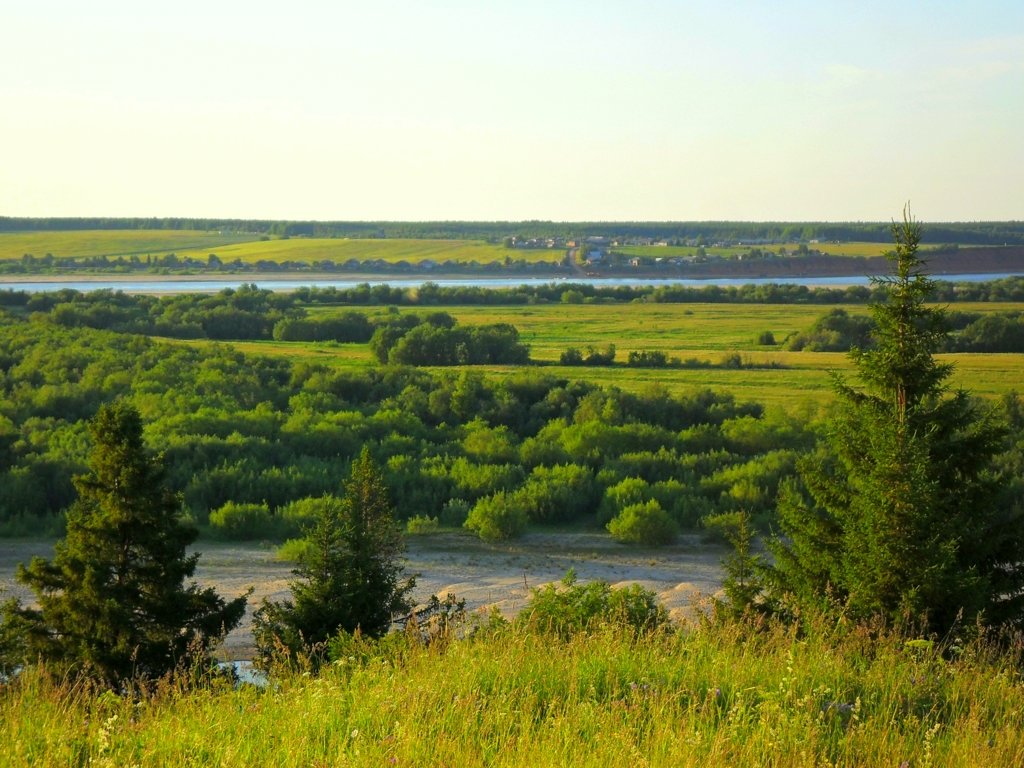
point(974, 233)
point(432, 294)
point(251, 313)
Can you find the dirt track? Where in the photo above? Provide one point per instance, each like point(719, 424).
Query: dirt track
point(484, 575)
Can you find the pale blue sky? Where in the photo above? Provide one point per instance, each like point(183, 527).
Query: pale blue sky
point(559, 110)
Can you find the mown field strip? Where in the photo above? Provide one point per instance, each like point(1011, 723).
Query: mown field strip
point(114, 243)
point(340, 250)
point(251, 248)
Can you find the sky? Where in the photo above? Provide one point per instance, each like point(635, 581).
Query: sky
point(562, 110)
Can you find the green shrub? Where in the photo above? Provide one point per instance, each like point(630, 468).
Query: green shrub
point(454, 513)
point(240, 522)
point(422, 524)
point(766, 339)
point(631, 490)
point(646, 524)
point(293, 550)
point(569, 608)
point(497, 517)
point(294, 518)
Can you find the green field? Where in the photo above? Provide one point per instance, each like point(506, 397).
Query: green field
point(392, 251)
point(832, 249)
point(250, 248)
point(113, 243)
point(705, 332)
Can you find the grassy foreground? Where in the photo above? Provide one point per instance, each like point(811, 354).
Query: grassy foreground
point(711, 695)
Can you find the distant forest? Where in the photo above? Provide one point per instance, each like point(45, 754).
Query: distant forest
point(971, 233)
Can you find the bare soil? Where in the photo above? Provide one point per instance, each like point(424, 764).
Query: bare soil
point(485, 575)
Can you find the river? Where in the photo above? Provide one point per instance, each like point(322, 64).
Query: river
point(178, 285)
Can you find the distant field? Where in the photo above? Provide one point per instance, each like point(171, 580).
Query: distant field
point(250, 248)
point(704, 332)
point(832, 249)
point(392, 251)
point(113, 243)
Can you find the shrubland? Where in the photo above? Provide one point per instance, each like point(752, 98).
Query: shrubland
point(244, 438)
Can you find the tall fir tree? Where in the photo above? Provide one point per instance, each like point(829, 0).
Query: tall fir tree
point(896, 514)
point(350, 577)
point(113, 602)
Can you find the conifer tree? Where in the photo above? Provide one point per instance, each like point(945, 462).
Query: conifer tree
point(113, 602)
point(350, 577)
point(896, 514)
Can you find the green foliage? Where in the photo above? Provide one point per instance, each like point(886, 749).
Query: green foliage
point(558, 494)
point(112, 602)
point(293, 550)
point(244, 522)
point(241, 429)
point(1002, 332)
point(497, 517)
point(646, 524)
point(591, 356)
point(420, 525)
point(408, 340)
point(897, 514)
point(647, 359)
point(836, 331)
point(348, 327)
point(350, 578)
point(744, 569)
point(454, 513)
point(569, 608)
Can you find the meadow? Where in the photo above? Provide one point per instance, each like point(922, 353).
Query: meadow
point(707, 694)
point(252, 248)
point(392, 251)
point(113, 243)
point(706, 333)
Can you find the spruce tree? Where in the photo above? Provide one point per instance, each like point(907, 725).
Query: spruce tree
point(113, 602)
point(350, 577)
point(896, 514)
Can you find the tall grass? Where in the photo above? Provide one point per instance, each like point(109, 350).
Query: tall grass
point(708, 695)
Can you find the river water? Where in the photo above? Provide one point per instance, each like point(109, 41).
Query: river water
point(174, 285)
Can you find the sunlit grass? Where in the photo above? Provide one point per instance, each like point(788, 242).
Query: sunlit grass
point(250, 248)
point(114, 243)
point(672, 328)
point(340, 250)
point(830, 695)
point(705, 333)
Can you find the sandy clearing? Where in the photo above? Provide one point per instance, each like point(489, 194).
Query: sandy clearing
point(485, 575)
